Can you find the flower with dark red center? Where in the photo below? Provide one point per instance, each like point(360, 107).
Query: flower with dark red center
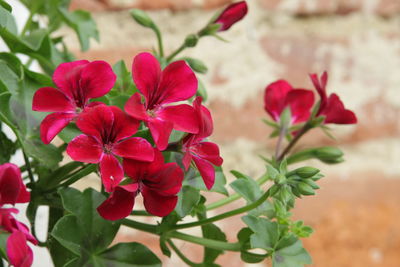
point(231, 14)
point(331, 107)
point(77, 82)
point(107, 134)
point(204, 154)
point(280, 95)
point(158, 182)
point(176, 82)
point(12, 189)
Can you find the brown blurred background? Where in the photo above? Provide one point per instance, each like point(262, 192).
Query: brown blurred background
point(356, 214)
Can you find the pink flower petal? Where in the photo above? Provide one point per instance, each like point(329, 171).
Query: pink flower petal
point(166, 181)
point(178, 83)
point(160, 131)
point(97, 79)
point(274, 98)
point(94, 121)
point(135, 108)
point(124, 125)
point(206, 170)
point(67, 76)
point(320, 86)
point(187, 158)
point(18, 252)
point(208, 151)
point(232, 14)
point(53, 124)
point(48, 99)
point(335, 112)
point(182, 116)
point(85, 148)
point(205, 119)
point(10, 183)
point(111, 172)
point(157, 204)
point(300, 102)
point(119, 205)
point(134, 148)
point(146, 72)
point(136, 169)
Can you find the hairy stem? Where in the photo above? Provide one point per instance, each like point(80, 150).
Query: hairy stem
point(160, 42)
point(176, 52)
point(299, 134)
point(210, 243)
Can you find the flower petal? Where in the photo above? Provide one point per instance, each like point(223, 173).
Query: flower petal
point(157, 204)
point(119, 205)
point(67, 76)
point(135, 108)
point(135, 148)
point(124, 125)
point(111, 172)
point(160, 131)
point(178, 83)
point(18, 252)
point(320, 86)
point(232, 14)
point(182, 116)
point(205, 119)
point(335, 112)
point(48, 99)
point(136, 169)
point(85, 148)
point(274, 98)
point(187, 158)
point(146, 73)
point(52, 124)
point(208, 151)
point(94, 121)
point(206, 170)
point(97, 79)
point(10, 183)
point(300, 102)
point(166, 181)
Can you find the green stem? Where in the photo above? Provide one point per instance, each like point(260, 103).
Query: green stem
point(282, 133)
point(206, 242)
point(180, 254)
point(160, 42)
point(88, 169)
point(176, 52)
point(28, 23)
point(149, 228)
point(235, 196)
point(226, 214)
point(140, 213)
point(307, 126)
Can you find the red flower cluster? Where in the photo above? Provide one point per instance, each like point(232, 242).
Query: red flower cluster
point(108, 132)
point(280, 95)
point(12, 190)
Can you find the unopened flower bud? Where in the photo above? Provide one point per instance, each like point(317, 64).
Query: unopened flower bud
point(191, 40)
point(306, 172)
point(328, 154)
point(231, 14)
point(142, 18)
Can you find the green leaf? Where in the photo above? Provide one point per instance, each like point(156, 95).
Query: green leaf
point(3, 244)
point(251, 192)
point(293, 255)
point(124, 81)
point(7, 147)
point(196, 64)
point(84, 232)
point(266, 233)
point(7, 21)
point(193, 178)
point(129, 254)
point(212, 231)
point(83, 24)
point(119, 101)
point(201, 91)
point(188, 198)
point(69, 133)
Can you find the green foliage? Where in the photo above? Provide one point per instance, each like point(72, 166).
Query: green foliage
point(194, 179)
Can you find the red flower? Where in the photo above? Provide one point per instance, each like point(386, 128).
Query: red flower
point(77, 82)
point(204, 154)
point(157, 181)
point(231, 14)
point(331, 107)
point(107, 133)
point(12, 189)
point(18, 251)
point(280, 95)
point(176, 82)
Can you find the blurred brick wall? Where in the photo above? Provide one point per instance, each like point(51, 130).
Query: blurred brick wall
point(356, 212)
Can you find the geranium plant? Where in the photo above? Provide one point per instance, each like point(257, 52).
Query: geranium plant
point(145, 134)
